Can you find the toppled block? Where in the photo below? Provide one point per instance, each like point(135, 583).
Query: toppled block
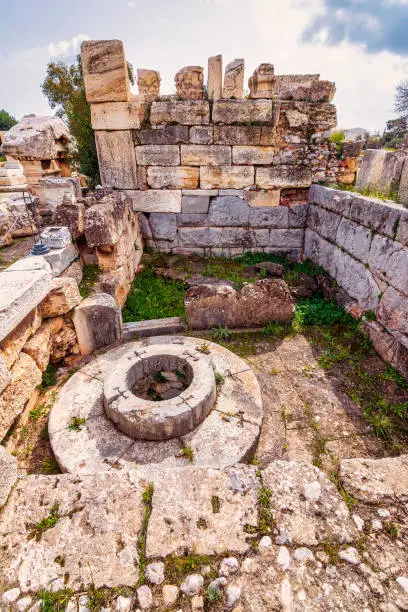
point(105, 71)
point(62, 298)
point(187, 112)
point(60, 259)
point(190, 83)
point(262, 82)
point(211, 303)
point(98, 322)
point(118, 115)
point(8, 474)
point(234, 80)
point(148, 82)
point(36, 138)
point(242, 111)
point(214, 85)
point(56, 237)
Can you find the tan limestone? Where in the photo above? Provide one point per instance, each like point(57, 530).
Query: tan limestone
point(234, 80)
point(190, 83)
point(62, 298)
point(117, 159)
point(242, 111)
point(226, 177)
point(156, 200)
point(262, 82)
point(39, 346)
point(172, 178)
point(11, 346)
point(64, 342)
point(239, 135)
point(185, 112)
point(252, 155)
point(205, 155)
point(263, 198)
point(105, 71)
point(148, 82)
point(283, 176)
point(214, 86)
point(158, 155)
point(118, 115)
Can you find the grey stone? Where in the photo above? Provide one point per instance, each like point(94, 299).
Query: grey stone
point(98, 322)
point(323, 222)
point(191, 220)
point(218, 584)
point(185, 112)
point(117, 160)
point(333, 199)
point(201, 134)
point(402, 231)
point(389, 261)
point(56, 237)
point(241, 111)
point(229, 566)
point(23, 603)
point(163, 225)
point(192, 584)
point(385, 218)
point(287, 238)
point(380, 171)
point(403, 186)
point(302, 555)
point(275, 216)
point(11, 595)
point(261, 237)
point(354, 238)
point(156, 200)
point(195, 204)
point(8, 474)
point(172, 134)
point(123, 604)
point(265, 544)
point(350, 555)
point(392, 311)
point(233, 594)
point(298, 215)
point(228, 211)
point(237, 237)
point(145, 597)
point(239, 193)
point(154, 572)
point(200, 237)
point(273, 269)
point(376, 481)
point(283, 558)
point(60, 259)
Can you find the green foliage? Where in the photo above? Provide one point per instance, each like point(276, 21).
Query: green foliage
point(266, 522)
point(177, 568)
point(221, 333)
point(338, 139)
point(46, 523)
point(213, 595)
point(317, 311)
point(50, 466)
point(153, 297)
point(37, 413)
point(90, 275)
point(187, 452)
point(332, 549)
point(54, 601)
point(392, 374)
point(49, 377)
point(77, 423)
point(147, 498)
point(219, 378)
point(6, 120)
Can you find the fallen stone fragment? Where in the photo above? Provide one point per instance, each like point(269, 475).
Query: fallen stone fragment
point(197, 603)
point(123, 604)
point(11, 595)
point(350, 555)
point(229, 566)
point(62, 298)
point(145, 597)
point(8, 475)
point(265, 544)
point(233, 594)
point(192, 584)
point(154, 572)
point(23, 603)
point(376, 480)
point(303, 554)
point(273, 269)
point(283, 558)
point(98, 322)
point(170, 593)
point(218, 583)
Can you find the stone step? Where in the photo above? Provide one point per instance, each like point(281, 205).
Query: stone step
point(153, 327)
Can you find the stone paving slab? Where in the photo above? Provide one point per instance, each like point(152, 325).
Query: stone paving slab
point(93, 540)
point(203, 510)
point(376, 480)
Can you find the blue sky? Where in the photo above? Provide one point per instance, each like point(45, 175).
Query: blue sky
point(360, 44)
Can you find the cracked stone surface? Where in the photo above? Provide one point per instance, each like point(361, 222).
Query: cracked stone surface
point(376, 481)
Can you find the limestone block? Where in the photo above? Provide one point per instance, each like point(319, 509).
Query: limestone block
point(63, 297)
point(5, 375)
point(25, 376)
point(298, 215)
point(170, 135)
point(60, 259)
point(240, 135)
point(72, 215)
point(13, 343)
point(392, 311)
point(118, 115)
point(190, 83)
point(228, 211)
point(242, 111)
point(376, 481)
point(35, 137)
point(239, 238)
point(384, 343)
point(384, 217)
point(234, 79)
point(195, 204)
point(8, 474)
point(116, 283)
point(269, 217)
point(105, 71)
point(262, 83)
point(98, 322)
point(173, 178)
point(294, 86)
point(390, 262)
point(191, 220)
point(22, 287)
point(122, 253)
point(39, 345)
point(64, 342)
point(117, 159)
point(106, 220)
point(322, 91)
point(187, 112)
point(52, 191)
point(402, 230)
point(403, 184)
point(158, 155)
point(199, 237)
point(214, 84)
point(163, 226)
point(252, 155)
point(332, 199)
point(380, 171)
point(258, 199)
point(354, 238)
point(56, 237)
point(148, 83)
point(226, 177)
point(283, 176)
point(201, 134)
point(324, 222)
point(205, 155)
point(321, 117)
point(290, 238)
point(156, 201)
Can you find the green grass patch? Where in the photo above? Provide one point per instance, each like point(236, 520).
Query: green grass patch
point(177, 568)
point(319, 312)
point(147, 498)
point(77, 423)
point(46, 523)
point(90, 276)
point(54, 601)
point(49, 377)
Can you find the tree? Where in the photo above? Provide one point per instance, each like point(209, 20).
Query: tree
point(6, 120)
point(401, 99)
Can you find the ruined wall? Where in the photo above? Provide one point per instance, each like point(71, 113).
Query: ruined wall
point(386, 173)
point(212, 172)
point(363, 244)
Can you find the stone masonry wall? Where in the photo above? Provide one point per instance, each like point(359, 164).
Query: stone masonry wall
point(363, 244)
point(182, 158)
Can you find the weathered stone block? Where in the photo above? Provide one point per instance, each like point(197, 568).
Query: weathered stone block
point(105, 71)
point(226, 177)
point(237, 135)
point(268, 132)
point(215, 77)
point(195, 204)
point(262, 83)
point(156, 201)
point(239, 237)
point(205, 155)
point(323, 222)
point(62, 298)
point(390, 262)
point(170, 135)
point(163, 226)
point(332, 199)
point(261, 238)
point(106, 220)
point(392, 311)
point(380, 171)
point(385, 218)
point(158, 155)
point(190, 83)
point(228, 211)
point(72, 215)
point(403, 184)
point(148, 84)
point(187, 112)
point(252, 155)
point(191, 220)
point(56, 237)
point(173, 178)
point(117, 159)
point(241, 111)
point(321, 117)
point(13, 343)
point(234, 79)
point(39, 346)
point(199, 237)
point(287, 85)
point(259, 199)
point(118, 115)
point(98, 322)
point(354, 238)
point(201, 134)
point(269, 217)
point(298, 214)
point(53, 190)
point(402, 230)
point(8, 474)
point(283, 176)
point(288, 238)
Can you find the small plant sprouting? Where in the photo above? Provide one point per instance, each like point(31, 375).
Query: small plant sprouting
point(49, 377)
point(180, 375)
point(219, 378)
point(54, 601)
point(77, 423)
point(266, 520)
point(213, 594)
point(216, 504)
point(159, 378)
point(186, 452)
point(332, 548)
point(46, 523)
point(204, 348)
point(221, 333)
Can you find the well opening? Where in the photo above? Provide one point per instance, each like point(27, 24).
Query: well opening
point(160, 377)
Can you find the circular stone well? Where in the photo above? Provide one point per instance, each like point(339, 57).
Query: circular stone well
point(181, 386)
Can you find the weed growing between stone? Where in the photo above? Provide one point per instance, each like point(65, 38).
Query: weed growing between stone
point(77, 423)
point(186, 452)
point(141, 540)
point(54, 601)
point(46, 523)
point(90, 275)
point(49, 377)
point(177, 568)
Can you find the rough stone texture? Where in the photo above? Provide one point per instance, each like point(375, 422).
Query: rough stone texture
point(259, 199)
point(40, 344)
point(212, 304)
point(163, 226)
point(25, 376)
point(183, 514)
point(158, 155)
point(389, 261)
point(103, 511)
point(380, 171)
point(354, 238)
point(283, 176)
point(188, 112)
point(71, 214)
point(376, 480)
point(203, 155)
point(156, 201)
point(190, 83)
point(234, 79)
point(241, 111)
point(36, 137)
point(118, 115)
point(226, 177)
point(306, 505)
point(392, 311)
point(252, 155)
point(56, 237)
point(262, 82)
point(117, 160)
point(63, 297)
point(148, 83)
point(239, 135)
point(201, 134)
point(98, 322)
point(172, 178)
point(8, 474)
point(170, 135)
point(195, 204)
point(228, 211)
point(12, 344)
point(105, 71)
point(214, 85)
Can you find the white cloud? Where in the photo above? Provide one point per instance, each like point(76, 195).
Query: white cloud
point(65, 48)
point(132, 4)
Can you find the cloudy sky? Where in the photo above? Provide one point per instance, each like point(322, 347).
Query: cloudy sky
point(362, 45)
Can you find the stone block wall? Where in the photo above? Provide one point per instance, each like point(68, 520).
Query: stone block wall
point(182, 157)
point(385, 172)
point(363, 244)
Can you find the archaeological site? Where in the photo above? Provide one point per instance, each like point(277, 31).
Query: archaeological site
point(204, 357)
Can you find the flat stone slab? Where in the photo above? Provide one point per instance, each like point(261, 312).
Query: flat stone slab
point(85, 441)
point(154, 327)
point(8, 474)
point(98, 519)
point(203, 510)
point(376, 480)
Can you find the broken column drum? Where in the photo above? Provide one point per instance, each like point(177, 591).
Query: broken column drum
point(160, 392)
